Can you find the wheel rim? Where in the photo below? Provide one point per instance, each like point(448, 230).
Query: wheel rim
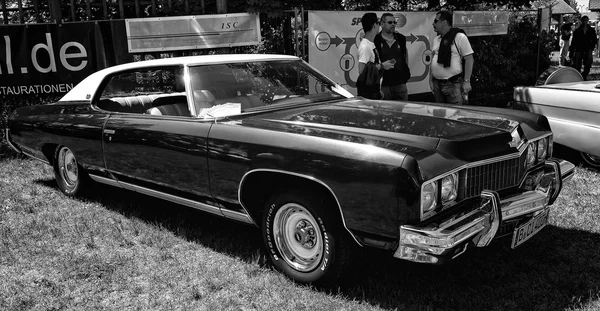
point(591, 159)
point(67, 167)
point(298, 237)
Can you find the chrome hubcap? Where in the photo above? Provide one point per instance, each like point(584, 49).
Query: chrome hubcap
point(67, 167)
point(298, 237)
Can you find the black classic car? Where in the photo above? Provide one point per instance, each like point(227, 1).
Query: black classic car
point(269, 141)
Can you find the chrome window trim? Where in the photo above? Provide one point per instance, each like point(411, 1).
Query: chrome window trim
point(302, 176)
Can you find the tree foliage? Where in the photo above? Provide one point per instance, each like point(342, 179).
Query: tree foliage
point(502, 62)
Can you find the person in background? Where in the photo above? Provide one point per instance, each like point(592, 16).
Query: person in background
point(598, 41)
point(565, 42)
point(582, 47)
point(369, 64)
point(391, 45)
point(448, 82)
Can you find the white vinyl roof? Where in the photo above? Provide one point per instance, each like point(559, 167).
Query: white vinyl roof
point(84, 90)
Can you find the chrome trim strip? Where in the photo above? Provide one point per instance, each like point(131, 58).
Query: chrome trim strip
point(241, 217)
point(104, 180)
point(8, 141)
point(37, 159)
point(302, 176)
point(169, 197)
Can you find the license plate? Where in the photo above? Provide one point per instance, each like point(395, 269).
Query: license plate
point(525, 231)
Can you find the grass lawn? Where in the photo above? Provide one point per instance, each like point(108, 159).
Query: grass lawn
point(117, 250)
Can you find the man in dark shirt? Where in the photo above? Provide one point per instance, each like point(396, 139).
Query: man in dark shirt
point(582, 46)
point(392, 46)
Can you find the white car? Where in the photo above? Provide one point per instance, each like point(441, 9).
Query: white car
point(572, 107)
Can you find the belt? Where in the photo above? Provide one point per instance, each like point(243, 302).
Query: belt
point(451, 79)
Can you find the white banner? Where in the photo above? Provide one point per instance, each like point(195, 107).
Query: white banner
point(192, 32)
point(481, 23)
point(334, 38)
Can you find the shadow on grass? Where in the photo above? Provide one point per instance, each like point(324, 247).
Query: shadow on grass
point(554, 270)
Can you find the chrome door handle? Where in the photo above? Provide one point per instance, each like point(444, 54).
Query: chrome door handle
point(109, 131)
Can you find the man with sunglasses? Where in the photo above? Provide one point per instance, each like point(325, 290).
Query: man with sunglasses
point(448, 82)
point(370, 65)
point(391, 46)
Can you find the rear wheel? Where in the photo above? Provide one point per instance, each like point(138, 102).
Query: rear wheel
point(303, 238)
point(591, 160)
point(69, 175)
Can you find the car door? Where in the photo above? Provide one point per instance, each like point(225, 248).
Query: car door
point(160, 151)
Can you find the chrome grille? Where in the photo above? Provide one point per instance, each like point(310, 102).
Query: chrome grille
point(493, 176)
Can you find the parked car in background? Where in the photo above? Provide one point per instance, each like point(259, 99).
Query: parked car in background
point(572, 107)
point(269, 141)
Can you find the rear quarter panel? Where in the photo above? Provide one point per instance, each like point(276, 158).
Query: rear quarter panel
point(37, 130)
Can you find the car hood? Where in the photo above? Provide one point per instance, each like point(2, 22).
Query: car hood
point(414, 129)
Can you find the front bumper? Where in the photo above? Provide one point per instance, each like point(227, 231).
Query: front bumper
point(478, 224)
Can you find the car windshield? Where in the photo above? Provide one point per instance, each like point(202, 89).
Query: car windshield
point(227, 89)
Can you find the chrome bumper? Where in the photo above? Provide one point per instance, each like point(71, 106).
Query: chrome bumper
point(478, 224)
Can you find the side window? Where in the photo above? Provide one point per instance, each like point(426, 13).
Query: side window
point(157, 91)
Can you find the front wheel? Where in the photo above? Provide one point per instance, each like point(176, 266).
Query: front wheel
point(69, 175)
point(591, 160)
point(303, 239)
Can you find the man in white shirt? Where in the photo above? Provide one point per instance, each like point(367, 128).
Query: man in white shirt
point(369, 60)
point(448, 82)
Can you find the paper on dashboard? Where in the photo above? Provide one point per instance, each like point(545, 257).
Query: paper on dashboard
point(222, 110)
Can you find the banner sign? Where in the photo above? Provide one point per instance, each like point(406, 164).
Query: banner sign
point(334, 37)
point(192, 32)
point(50, 58)
point(482, 23)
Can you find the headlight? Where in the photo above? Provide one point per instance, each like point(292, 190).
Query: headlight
point(429, 197)
point(531, 154)
point(449, 187)
point(542, 148)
